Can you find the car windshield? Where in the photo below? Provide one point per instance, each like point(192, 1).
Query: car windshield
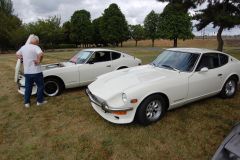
point(175, 60)
point(81, 57)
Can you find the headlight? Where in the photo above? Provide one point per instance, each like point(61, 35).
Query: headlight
point(124, 97)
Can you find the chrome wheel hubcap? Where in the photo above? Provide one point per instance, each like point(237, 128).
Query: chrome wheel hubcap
point(230, 88)
point(154, 110)
point(51, 88)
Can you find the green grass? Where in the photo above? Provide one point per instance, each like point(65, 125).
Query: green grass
point(68, 128)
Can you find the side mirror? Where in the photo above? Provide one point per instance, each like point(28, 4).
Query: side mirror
point(204, 69)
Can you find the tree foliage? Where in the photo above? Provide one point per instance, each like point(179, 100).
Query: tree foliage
point(6, 7)
point(113, 26)
point(66, 29)
point(184, 5)
point(97, 37)
point(81, 27)
point(48, 30)
point(223, 14)
point(11, 29)
point(137, 32)
point(174, 24)
point(150, 25)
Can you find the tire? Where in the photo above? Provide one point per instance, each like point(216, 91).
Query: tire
point(229, 89)
point(52, 87)
point(148, 112)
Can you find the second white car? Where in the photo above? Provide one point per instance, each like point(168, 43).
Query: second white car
point(80, 70)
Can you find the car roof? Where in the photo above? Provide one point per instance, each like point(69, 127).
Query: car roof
point(100, 49)
point(194, 50)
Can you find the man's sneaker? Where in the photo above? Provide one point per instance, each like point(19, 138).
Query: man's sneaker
point(42, 103)
point(27, 105)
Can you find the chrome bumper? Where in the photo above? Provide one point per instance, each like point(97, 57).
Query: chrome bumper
point(21, 87)
point(103, 105)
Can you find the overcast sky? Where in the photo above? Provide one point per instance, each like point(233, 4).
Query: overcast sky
point(134, 10)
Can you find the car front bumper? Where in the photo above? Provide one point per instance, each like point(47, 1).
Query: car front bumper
point(21, 86)
point(107, 112)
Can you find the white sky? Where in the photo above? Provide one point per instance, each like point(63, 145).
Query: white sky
point(134, 10)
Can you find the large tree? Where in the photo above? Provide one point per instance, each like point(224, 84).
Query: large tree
point(97, 37)
point(113, 26)
point(151, 25)
point(137, 33)
point(81, 27)
point(11, 29)
point(224, 14)
point(174, 24)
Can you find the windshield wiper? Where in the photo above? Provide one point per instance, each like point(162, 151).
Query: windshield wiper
point(175, 69)
point(153, 64)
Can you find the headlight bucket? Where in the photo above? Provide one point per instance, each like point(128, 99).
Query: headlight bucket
point(124, 97)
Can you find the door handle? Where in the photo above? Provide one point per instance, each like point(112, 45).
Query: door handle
point(219, 75)
point(108, 66)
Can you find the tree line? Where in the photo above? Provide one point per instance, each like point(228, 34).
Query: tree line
point(112, 29)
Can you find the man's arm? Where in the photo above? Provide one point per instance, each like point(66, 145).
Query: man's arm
point(19, 54)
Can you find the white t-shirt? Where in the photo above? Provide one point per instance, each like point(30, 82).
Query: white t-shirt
point(29, 53)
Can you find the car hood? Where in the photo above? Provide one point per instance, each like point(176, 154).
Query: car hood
point(56, 65)
point(44, 67)
point(111, 84)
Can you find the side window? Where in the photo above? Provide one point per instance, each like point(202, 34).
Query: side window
point(223, 59)
point(115, 55)
point(209, 60)
point(100, 56)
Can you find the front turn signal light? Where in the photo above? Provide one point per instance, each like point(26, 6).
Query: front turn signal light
point(120, 112)
point(134, 101)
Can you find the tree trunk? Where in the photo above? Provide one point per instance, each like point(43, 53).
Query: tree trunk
point(153, 42)
point(175, 42)
point(121, 44)
point(136, 43)
point(219, 39)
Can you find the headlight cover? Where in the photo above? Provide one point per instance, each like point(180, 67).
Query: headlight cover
point(124, 97)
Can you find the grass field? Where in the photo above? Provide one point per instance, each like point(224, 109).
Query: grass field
point(68, 128)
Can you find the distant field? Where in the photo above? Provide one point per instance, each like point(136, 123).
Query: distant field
point(68, 128)
point(199, 43)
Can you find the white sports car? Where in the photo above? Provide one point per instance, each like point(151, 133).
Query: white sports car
point(82, 69)
point(176, 77)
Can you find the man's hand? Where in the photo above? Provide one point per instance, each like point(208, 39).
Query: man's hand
point(36, 62)
point(19, 56)
point(39, 59)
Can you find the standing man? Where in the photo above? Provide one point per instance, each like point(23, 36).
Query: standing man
point(32, 56)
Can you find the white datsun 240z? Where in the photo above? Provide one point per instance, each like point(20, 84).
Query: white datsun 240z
point(176, 77)
point(81, 70)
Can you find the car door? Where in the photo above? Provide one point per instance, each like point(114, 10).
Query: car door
point(206, 78)
point(98, 64)
point(117, 60)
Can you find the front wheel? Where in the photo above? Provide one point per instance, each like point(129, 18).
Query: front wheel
point(229, 89)
point(151, 110)
point(52, 87)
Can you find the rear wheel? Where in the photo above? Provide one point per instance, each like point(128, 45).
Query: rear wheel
point(229, 89)
point(151, 109)
point(52, 87)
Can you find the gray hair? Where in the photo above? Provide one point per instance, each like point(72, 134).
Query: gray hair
point(34, 37)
